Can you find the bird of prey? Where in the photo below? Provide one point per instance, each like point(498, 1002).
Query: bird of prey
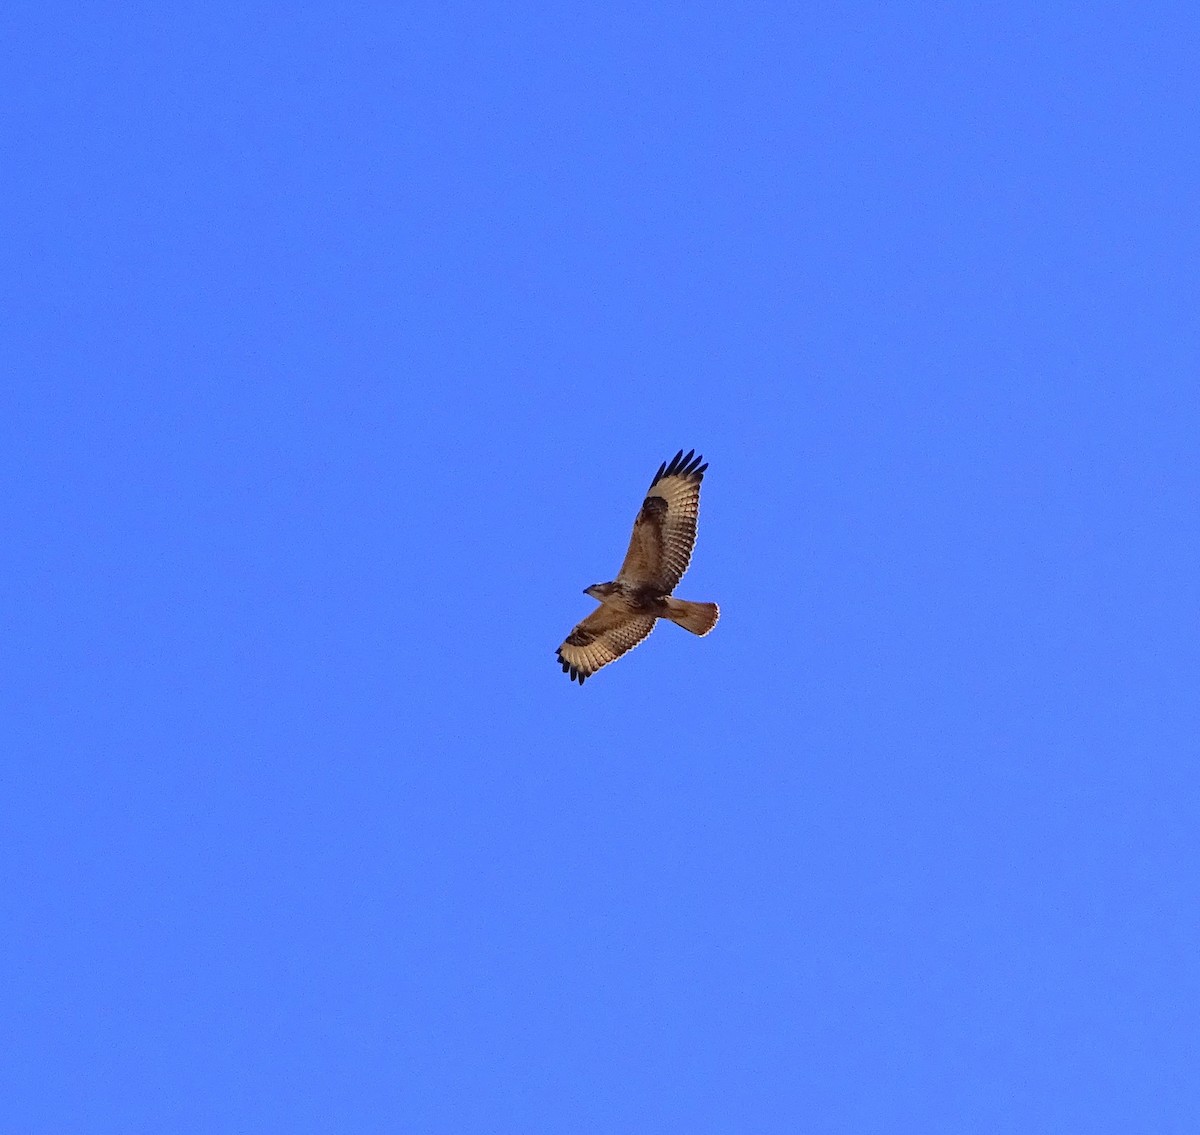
point(659, 552)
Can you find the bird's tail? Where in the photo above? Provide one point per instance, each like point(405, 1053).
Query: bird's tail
point(699, 618)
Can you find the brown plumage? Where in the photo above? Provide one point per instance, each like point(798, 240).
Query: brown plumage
point(660, 549)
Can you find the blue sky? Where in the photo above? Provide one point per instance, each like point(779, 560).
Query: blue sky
point(341, 344)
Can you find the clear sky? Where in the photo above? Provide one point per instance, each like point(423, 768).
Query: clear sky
point(340, 344)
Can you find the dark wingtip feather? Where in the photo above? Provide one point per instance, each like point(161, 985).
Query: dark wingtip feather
point(666, 469)
point(572, 672)
point(689, 464)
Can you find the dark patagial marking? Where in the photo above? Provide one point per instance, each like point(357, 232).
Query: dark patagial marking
point(580, 638)
point(654, 507)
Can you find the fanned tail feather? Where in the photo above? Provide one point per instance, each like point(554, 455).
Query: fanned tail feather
point(699, 618)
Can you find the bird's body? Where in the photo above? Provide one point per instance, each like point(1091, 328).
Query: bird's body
point(660, 549)
point(631, 598)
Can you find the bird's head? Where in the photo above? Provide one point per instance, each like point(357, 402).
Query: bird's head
point(599, 590)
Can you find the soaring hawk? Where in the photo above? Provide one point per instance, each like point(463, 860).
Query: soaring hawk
point(664, 534)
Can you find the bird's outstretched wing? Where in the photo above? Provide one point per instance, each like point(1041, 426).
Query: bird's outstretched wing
point(601, 638)
point(664, 532)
